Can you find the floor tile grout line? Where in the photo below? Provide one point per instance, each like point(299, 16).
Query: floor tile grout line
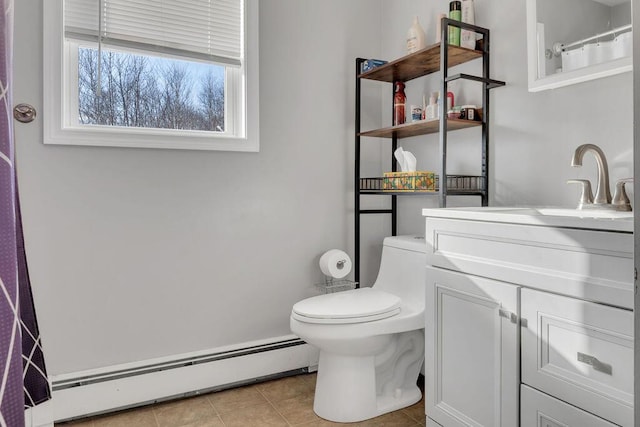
point(214, 409)
point(211, 404)
point(273, 406)
point(237, 410)
point(179, 402)
point(155, 416)
point(208, 396)
point(404, 411)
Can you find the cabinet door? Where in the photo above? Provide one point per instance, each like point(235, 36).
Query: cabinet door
point(472, 352)
point(541, 410)
point(579, 352)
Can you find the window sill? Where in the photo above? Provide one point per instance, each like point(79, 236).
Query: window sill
point(150, 138)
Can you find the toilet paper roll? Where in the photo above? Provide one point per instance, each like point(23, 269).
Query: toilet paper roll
point(335, 263)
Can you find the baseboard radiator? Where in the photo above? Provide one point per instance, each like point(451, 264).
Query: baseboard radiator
point(98, 391)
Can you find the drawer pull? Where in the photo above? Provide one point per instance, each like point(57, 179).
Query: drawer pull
point(508, 315)
point(512, 317)
point(595, 363)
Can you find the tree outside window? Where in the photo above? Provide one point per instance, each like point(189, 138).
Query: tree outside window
point(149, 92)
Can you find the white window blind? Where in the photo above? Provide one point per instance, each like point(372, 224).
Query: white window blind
point(200, 29)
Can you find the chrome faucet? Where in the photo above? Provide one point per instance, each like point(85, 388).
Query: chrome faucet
point(602, 199)
point(603, 195)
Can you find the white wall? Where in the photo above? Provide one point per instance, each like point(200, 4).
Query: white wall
point(533, 135)
point(142, 253)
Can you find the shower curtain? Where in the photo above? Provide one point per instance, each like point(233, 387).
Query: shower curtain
point(23, 378)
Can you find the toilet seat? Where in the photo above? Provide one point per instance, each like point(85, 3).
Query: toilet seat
point(354, 306)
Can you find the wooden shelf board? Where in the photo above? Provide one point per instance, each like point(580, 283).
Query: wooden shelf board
point(420, 63)
point(422, 127)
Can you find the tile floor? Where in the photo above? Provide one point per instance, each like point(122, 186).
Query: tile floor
point(283, 402)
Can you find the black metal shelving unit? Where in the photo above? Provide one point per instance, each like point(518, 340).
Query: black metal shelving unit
point(432, 59)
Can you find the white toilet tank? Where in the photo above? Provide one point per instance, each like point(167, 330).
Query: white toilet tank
point(403, 268)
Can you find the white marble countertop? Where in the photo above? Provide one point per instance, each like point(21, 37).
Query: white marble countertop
point(592, 219)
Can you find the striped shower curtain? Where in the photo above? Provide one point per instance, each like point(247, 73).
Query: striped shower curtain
point(23, 379)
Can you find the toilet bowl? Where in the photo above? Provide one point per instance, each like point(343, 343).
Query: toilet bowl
point(371, 340)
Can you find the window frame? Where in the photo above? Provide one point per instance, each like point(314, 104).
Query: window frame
point(243, 102)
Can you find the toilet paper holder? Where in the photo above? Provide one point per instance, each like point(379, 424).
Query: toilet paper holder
point(335, 264)
point(332, 285)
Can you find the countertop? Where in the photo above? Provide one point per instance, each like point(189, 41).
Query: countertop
point(591, 219)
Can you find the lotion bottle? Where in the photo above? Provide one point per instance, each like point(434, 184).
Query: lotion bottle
point(415, 37)
point(468, 38)
point(439, 27)
point(432, 108)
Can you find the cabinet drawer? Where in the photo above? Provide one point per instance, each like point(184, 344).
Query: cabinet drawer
point(586, 264)
point(541, 410)
point(580, 352)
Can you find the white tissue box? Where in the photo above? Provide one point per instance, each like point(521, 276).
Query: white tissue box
point(409, 181)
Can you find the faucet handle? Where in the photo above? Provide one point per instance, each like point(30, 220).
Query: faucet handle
point(620, 199)
point(586, 196)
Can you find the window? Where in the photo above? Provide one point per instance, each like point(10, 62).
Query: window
point(152, 73)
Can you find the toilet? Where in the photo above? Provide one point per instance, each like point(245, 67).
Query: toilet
point(371, 340)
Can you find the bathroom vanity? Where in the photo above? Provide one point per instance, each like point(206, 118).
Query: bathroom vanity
point(529, 317)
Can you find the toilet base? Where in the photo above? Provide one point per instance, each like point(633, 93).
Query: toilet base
point(346, 388)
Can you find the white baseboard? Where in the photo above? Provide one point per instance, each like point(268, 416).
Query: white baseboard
point(40, 415)
point(98, 391)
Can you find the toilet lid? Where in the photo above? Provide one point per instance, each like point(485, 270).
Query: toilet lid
point(354, 306)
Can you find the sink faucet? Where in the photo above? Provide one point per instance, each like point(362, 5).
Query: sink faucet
point(603, 195)
point(602, 200)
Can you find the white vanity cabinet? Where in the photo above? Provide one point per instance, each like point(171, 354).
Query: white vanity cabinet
point(529, 319)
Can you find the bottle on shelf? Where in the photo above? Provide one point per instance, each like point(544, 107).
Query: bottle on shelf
point(439, 27)
point(467, 37)
point(399, 102)
point(432, 108)
point(416, 38)
point(455, 12)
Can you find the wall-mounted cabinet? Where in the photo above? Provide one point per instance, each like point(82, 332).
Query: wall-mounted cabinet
point(572, 41)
